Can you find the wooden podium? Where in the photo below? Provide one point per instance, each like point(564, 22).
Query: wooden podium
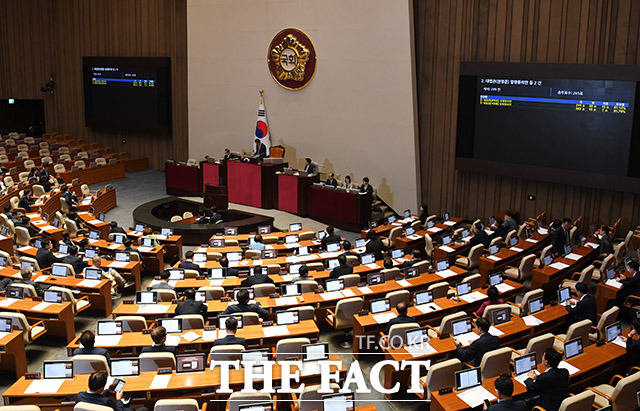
point(294, 192)
point(216, 197)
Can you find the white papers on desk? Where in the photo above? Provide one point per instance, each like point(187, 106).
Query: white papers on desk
point(494, 331)
point(592, 245)
point(135, 233)
point(434, 229)
point(573, 256)
point(396, 224)
point(446, 273)
point(428, 307)
point(47, 228)
point(516, 249)
point(559, 266)
point(118, 264)
point(160, 381)
point(347, 292)
point(474, 397)
point(331, 295)
point(494, 257)
point(48, 386)
point(383, 318)
point(152, 309)
point(449, 223)
point(209, 335)
point(466, 338)
point(446, 249)
point(286, 301)
point(572, 370)
point(404, 283)
point(245, 262)
point(543, 231)
point(3, 334)
point(191, 336)
point(414, 237)
point(287, 278)
point(330, 255)
point(310, 368)
point(92, 240)
point(419, 350)
point(216, 282)
point(114, 246)
point(41, 306)
point(365, 290)
point(144, 249)
point(613, 283)
point(89, 283)
point(7, 302)
point(26, 248)
point(503, 288)
point(531, 240)
point(291, 245)
point(17, 275)
point(275, 331)
point(161, 236)
point(107, 340)
point(473, 297)
point(41, 278)
point(618, 341)
point(172, 340)
point(373, 266)
point(221, 333)
point(523, 377)
point(86, 201)
point(532, 321)
point(94, 222)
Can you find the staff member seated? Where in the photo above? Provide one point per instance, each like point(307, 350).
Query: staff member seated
point(309, 167)
point(366, 188)
point(98, 395)
point(190, 305)
point(68, 196)
point(630, 285)
point(188, 263)
point(402, 317)
point(114, 228)
point(331, 181)
point(552, 385)
point(26, 201)
point(486, 342)
point(257, 243)
point(87, 340)
point(231, 324)
point(329, 238)
point(604, 240)
point(494, 298)
point(633, 345)
point(75, 260)
point(257, 278)
point(260, 150)
point(163, 284)
point(243, 306)
point(342, 269)
point(374, 245)
point(479, 236)
point(159, 337)
point(44, 255)
point(504, 388)
point(229, 272)
point(26, 273)
point(585, 308)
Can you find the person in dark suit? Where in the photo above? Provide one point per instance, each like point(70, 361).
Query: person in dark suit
point(243, 306)
point(115, 228)
point(485, 343)
point(504, 388)
point(552, 385)
point(509, 224)
point(556, 234)
point(27, 274)
point(633, 346)
point(231, 324)
point(479, 236)
point(26, 201)
point(190, 305)
point(331, 181)
point(7, 212)
point(630, 285)
point(257, 278)
point(159, 337)
point(303, 274)
point(329, 238)
point(346, 247)
point(585, 308)
point(96, 394)
point(68, 196)
point(44, 255)
point(402, 317)
point(423, 213)
point(188, 263)
point(260, 150)
point(309, 167)
point(87, 340)
point(127, 245)
point(342, 269)
point(605, 241)
point(76, 261)
point(43, 179)
point(228, 271)
point(228, 155)
point(366, 188)
point(374, 245)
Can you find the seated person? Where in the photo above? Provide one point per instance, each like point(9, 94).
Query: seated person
point(604, 240)
point(98, 395)
point(585, 308)
point(402, 317)
point(87, 340)
point(329, 238)
point(257, 278)
point(493, 298)
point(44, 255)
point(633, 346)
point(163, 284)
point(66, 239)
point(26, 201)
point(188, 264)
point(260, 150)
point(479, 236)
point(190, 305)
point(387, 263)
point(231, 324)
point(68, 196)
point(257, 243)
point(303, 274)
point(229, 272)
point(375, 245)
point(366, 188)
point(228, 155)
point(20, 220)
point(552, 386)
point(416, 255)
point(243, 306)
point(346, 246)
point(112, 275)
point(75, 260)
point(486, 342)
point(331, 181)
point(309, 167)
point(424, 213)
point(504, 389)
point(159, 337)
point(26, 273)
point(127, 245)
point(348, 184)
point(342, 269)
point(114, 228)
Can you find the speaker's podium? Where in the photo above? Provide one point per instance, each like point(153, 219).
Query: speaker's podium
point(215, 196)
point(345, 209)
point(294, 191)
point(253, 183)
point(181, 179)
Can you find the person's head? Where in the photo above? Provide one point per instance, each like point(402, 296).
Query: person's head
point(7, 209)
point(633, 266)
point(493, 294)
point(423, 208)
point(63, 188)
point(224, 262)
point(483, 325)
point(307, 160)
point(87, 339)
point(26, 272)
point(347, 179)
point(329, 230)
point(342, 259)
point(257, 238)
point(164, 275)
point(581, 289)
point(97, 381)
point(188, 255)
point(401, 308)
point(227, 151)
point(504, 387)
point(46, 244)
point(17, 213)
point(159, 335)
point(365, 180)
point(113, 224)
point(475, 228)
point(242, 296)
point(388, 263)
point(27, 192)
point(604, 230)
point(508, 216)
point(190, 294)
point(346, 245)
point(371, 235)
point(551, 358)
point(126, 242)
point(636, 325)
point(303, 271)
point(72, 250)
point(147, 231)
point(96, 261)
point(416, 254)
point(231, 323)
point(332, 176)
point(65, 236)
point(257, 141)
point(556, 224)
point(566, 223)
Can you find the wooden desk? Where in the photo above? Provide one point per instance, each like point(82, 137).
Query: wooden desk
point(152, 260)
point(172, 244)
point(345, 210)
point(101, 201)
point(294, 192)
point(252, 184)
point(244, 238)
point(384, 229)
point(512, 255)
point(548, 278)
point(434, 232)
point(606, 293)
point(92, 223)
point(97, 174)
point(13, 358)
point(451, 401)
point(58, 318)
point(182, 179)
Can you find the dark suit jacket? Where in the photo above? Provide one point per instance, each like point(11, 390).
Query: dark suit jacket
point(400, 319)
point(229, 340)
point(552, 386)
point(75, 261)
point(376, 247)
point(160, 348)
point(509, 225)
point(261, 151)
point(256, 279)
point(247, 308)
point(633, 349)
point(25, 202)
point(480, 237)
point(558, 240)
point(310, 168)
point(46, 258)
point(328, 239)
point(189, 265)
point(606, 245)
point(368, 189)
point(103, 399)
point(631, 285)
point(585, 309)
point(473, 353)
point(508, 405)
point(341, 270)
point(92, 351)
point(331, 182)
point(8, 281)
point(191, 307)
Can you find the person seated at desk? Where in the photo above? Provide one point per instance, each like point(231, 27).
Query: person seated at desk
point(331, 237)
point(260, 150)
point(112, 275)
point(159, 337)
point(342, 269)
point(303, 274)
point(163, 284)
point(402, 317)
point(98, 395)
point(493, 298)
point(26, 201)
point(561, 235)
point(387, 263)
point(604, 241)
point(331, 181)
point(479, 236)
point(552, 385)
point(257, 243)
point(44, 179)
point(73, 216)
point(309, 167)
point(114, 228)
point(585, 308)
point(347, 247)
point(366, 188)
point(504, 389)
point(75, 260)
point(243, 306)
point(66, 240)
point(416, 255)
point(188, 264)
point(68, 196)
point(633, 346)
point(630, 285)
point(424, 213)
point(26, 273)
point(228, 271)
point(190, 305)
point(347, 183)
point(375, 244)
point(509, 224)
point(87, 341)
point(231, 324)
point(19, 219)
point(486, 342)
point(228, 155)
point(257, 278)
point(44, 255)
point(7, 212)
point(127, 245)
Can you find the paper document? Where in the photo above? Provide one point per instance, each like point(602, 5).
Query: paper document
point(473, 297)
point(89, 283)
point(447, 249)
point(209, 335)
point(428, 307)
point(41, 279)
point(118, 264)
point(474, 397)
point(348, 292)
point(365, 290)
point(466, 338)
point(592, 245)
point(152, 309)
point(275, 331)
point(286, 301)
point(613, 283)
point(144, 249)
point(434, 229)
point(48, 386)
point(94, 222)
point(414, 237)
point(532, 321)
point(172, 340)
point(191, 336)
point(559, 266)
point(3, 334)
point(494, 331)
point(523, 377)
point(8, 301)
point(383, 318)
point(494, 257)
point(420, 349)
point(446, 273)
point(114, 246)
point(41, 306)
point(217, 282)
point(449, 223)
point(331, 295)
point(107, 340)
point(404, 283)
point(373, 266)
point(502, 287)
point(543, 231)
point(516, 249)
point(572, 370)
point(618, 341)
point(531, 240)
point(160, 382)
point(573, 256)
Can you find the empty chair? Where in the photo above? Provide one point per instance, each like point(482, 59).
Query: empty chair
point(38, 190)
point(422, 266)
point(445, 324)
point(600, 273)
point(495, 363)
point(620, 397)
point(269, 239)
point(28, 289)
point(474, 279)
point(523, 272)
point(342, 319)
point(59, 168)
point(390, 273)
point(580, 329)
point(165, 295)
point(89, 363)
point(439, 290)
point(273, 269)
point(23, 176)
point(306, 235)
point(31, 261)
point(290, 348)
point(619, 252)
point(87, 406)
point(63, 150)
point(253, 254)
point(307, 286)
point(100, 161)
point(191, 321)
point(191, 273)
point(238, 398)
point(395, 233)
point(14, 201)
point(315, 266)
point(23, 147)
point(538, 345)
point(472, 260)
point(43, 152)
point(523, 308)
point(8, 181)
point(229, 352)
point(78, 304)
point(31, 332)
point(578, 402)
point(606, 319)
point(44, 144)
point(82, 155)
point(132, 323)
point(151, 361)
point(176, 218)
point(70, 227)
point(305, 312)
point(80, 164)
point(428, 246)
point(64, 206)
point(263, 290)
point(583, 276)
point(310, 399)
point(176, 405)
point(509, 236)
point(496, 241)
point(22, 236)
point(187, 214)
point(4, 158)
point(522, 231)
point(22, 155)
point(86, 192)
point(440, 375)
point(397, 297)
point(29, 164)
point(350, 280)
point(539, 262)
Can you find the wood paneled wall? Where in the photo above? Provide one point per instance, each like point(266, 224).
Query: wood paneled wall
point(40, 37)
point(526, 31)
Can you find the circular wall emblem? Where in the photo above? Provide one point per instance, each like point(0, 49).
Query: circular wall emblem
point(291, 59)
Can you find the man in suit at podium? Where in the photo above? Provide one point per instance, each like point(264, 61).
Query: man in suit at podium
point(260, 150)
point(366, 188)
point(309, 167)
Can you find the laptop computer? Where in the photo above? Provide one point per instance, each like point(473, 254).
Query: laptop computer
point(57, 369)
point(338, 402)
point(190, 362)
point(375, 278)
point(109, 327)
point(172, 325)
point(501, 316)
point(54, 297)
point(334, 285)
point(146, 297)
point(536, 305)
point(423, 297)
point(572, 348)
point(287, 317)
point(524, 364)
point(468, 378)
point(290, 290)
point(416, 336)
point(380, 305)
point(295, 227)
point(315, 352)
point(461, 326)
point(125, 367)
